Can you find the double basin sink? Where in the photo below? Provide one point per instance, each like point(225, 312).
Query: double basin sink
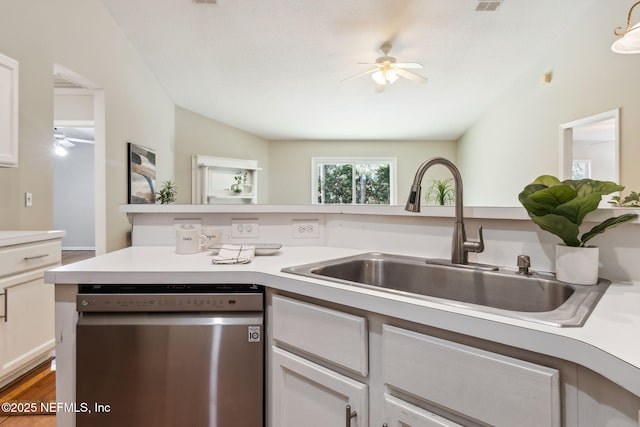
point(534, 297)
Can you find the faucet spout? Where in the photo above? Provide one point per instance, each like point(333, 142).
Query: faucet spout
point(459, 246)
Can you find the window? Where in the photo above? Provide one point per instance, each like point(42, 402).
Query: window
point(357, 181)
point(581, 169)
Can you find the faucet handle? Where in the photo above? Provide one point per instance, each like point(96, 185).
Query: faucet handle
point(471, 246)
point(524, 262)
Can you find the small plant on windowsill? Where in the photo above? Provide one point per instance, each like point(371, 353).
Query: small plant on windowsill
point(167, 193)
point(630, 201)
point(441, 192)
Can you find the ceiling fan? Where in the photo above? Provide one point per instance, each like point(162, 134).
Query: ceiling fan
point(61, 143)
point(387, 70)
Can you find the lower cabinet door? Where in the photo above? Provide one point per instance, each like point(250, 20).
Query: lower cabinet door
point(28, 332)
point(310, 395)
point(399, 413)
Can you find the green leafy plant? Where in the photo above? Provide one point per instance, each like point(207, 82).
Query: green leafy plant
point(441, 192)
point(560, 207)
point(167, 193)
point(630, 201)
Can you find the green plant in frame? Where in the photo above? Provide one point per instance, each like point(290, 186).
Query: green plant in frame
point(560, 207)
point(440, 192)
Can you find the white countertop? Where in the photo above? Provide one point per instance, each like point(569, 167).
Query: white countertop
point(608, 342)
point(8, 238)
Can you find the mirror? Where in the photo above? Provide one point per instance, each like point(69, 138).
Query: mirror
point(590, 147)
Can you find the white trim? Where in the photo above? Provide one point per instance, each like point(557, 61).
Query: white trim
point(99, 153)
point(566, 141)
point(392, 161)
point(78, 248)
point(9, 148)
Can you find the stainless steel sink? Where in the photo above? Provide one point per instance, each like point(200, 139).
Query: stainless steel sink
point(537, 297)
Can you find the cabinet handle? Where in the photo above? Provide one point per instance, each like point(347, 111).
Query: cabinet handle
point(349, 414)
point(5, 294)
point(28, 258)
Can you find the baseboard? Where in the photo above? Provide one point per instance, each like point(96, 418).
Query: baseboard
point(78, 248)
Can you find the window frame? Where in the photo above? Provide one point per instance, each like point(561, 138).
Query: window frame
point(391, 161)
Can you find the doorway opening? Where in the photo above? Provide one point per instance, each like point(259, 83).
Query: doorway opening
point(78, 140)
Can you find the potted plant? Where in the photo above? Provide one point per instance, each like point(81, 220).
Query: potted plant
point(630, 201)
point(441, 192)
point(167, 193)
point(559, 208)
point(239, 178)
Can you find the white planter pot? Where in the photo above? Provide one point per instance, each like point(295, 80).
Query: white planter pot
point(577, 265)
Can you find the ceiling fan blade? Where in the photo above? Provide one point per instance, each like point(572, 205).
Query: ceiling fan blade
point(411, 76)
point(361, 74)
point(410, 65)
point(65, 143)
point(81, 140)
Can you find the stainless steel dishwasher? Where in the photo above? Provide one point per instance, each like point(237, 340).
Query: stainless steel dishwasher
point(170, 355)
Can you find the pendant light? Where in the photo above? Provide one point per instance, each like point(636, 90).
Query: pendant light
point(630, 37)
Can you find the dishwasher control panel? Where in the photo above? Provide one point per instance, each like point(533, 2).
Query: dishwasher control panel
point(186, 298)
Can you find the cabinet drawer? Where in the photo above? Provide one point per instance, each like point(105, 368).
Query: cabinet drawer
point(478, 384)
point(403, 414)
point(20, 258)
point(331, 335)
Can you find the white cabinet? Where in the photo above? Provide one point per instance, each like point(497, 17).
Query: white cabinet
point(27, 309)
point(310, 395)
point(216, 180)
point(323, 359)
point(318, 366)
point(472, 383)
point(403, 414)
point(8, 112)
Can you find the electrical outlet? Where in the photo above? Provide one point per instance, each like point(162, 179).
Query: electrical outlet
point(305, 229)
point(28, 199)
point(245, 228)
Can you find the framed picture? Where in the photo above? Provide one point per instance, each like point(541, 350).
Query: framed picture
point(142, 175)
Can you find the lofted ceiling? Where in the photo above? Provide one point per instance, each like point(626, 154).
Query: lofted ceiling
point(275, 68)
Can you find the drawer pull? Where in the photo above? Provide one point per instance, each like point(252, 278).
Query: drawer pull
point(349, 414)
point(29, 258)
point(5, 294)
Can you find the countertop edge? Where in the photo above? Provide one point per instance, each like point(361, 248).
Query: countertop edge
point(535, 338)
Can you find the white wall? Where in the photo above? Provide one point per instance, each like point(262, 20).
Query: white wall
point(290, 163)
point(137, 108)
point(518, 137)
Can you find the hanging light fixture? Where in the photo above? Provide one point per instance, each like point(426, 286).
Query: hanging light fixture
point(385, 75)
point(60, 143)
point(630, 37)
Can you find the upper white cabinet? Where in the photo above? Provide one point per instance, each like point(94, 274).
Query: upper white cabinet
point(8, 112)
point(216, 180)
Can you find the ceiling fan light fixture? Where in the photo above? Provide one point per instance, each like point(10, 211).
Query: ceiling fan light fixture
point(384, 76)
point(59, 150)
point(629, 41)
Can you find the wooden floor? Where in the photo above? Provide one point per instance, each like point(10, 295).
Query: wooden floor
point(69, 257)
point(37, 386)
point(40, 383)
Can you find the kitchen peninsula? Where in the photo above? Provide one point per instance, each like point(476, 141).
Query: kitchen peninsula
point(595, 368)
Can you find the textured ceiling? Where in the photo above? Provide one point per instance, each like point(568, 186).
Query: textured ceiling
point(275, 68)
